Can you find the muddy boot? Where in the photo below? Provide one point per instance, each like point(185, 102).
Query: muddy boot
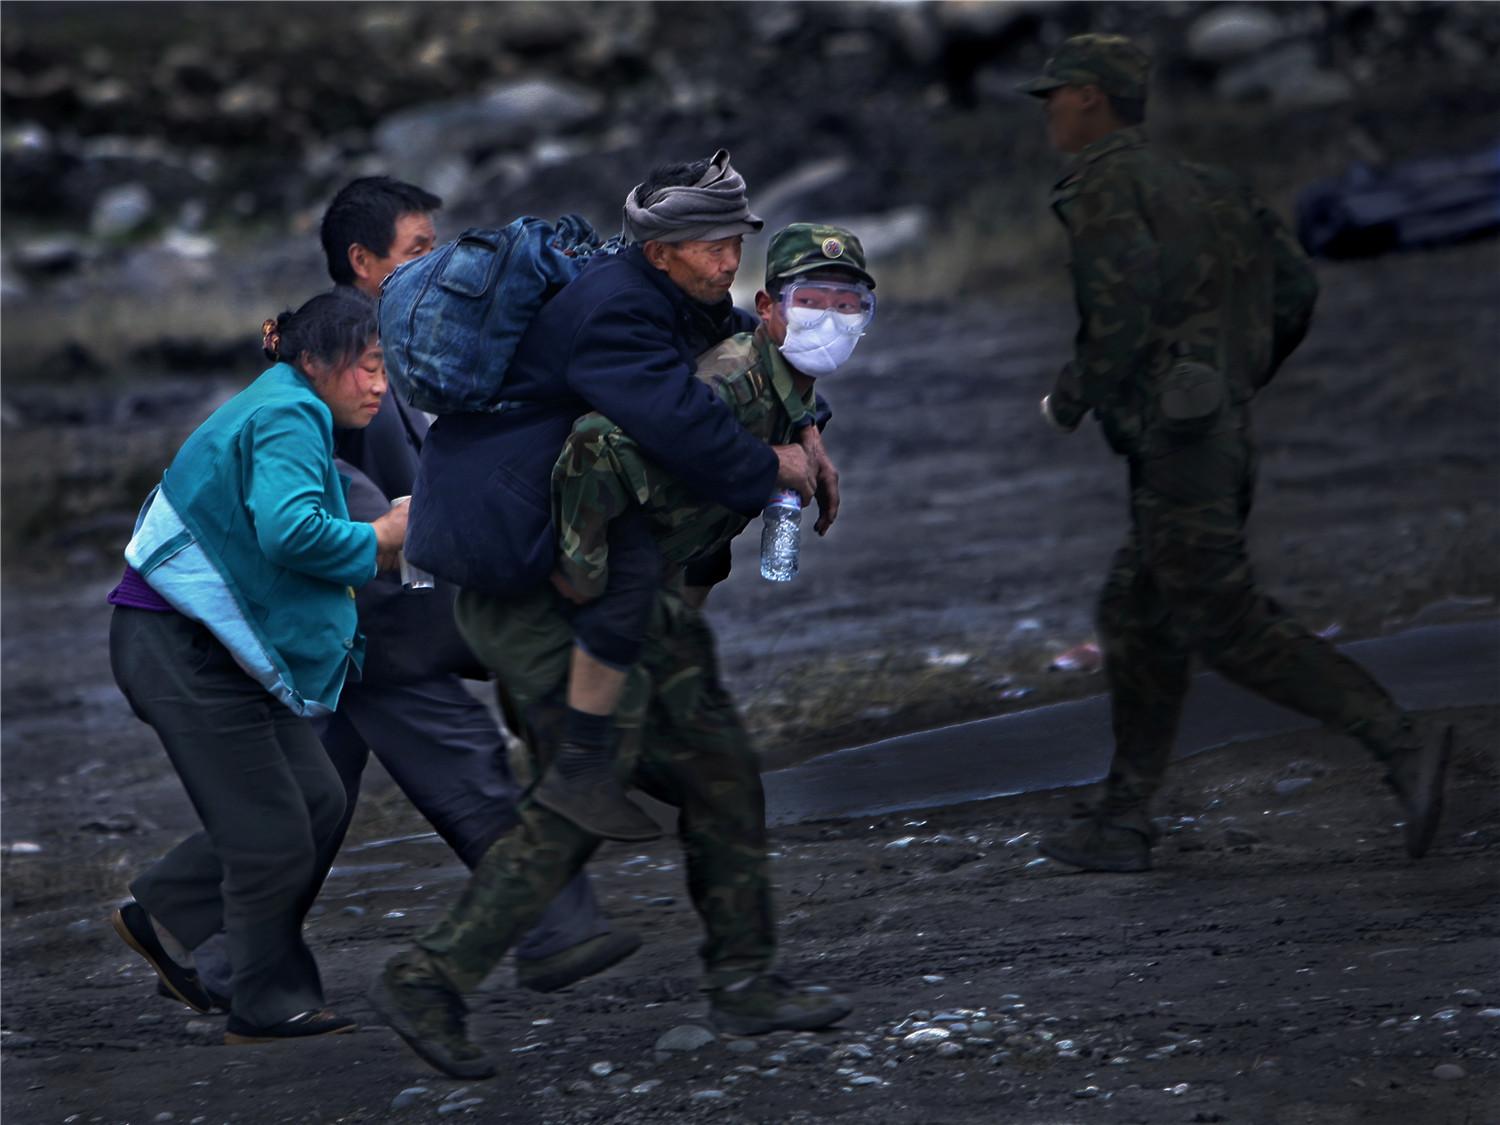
point(1417, 776)
point(582, 786)
point(767, 1002)
point(422, 1009)
point(1103, 843)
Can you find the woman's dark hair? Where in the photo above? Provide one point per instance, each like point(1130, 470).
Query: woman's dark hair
point(332, 327)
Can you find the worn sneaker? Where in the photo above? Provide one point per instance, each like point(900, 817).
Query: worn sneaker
point(1417, 777)
point(133, 925)
point(430, 1017)
point(548, 974)
point(1099, 844)
point(596, 802)
point(304, 1025)
point(768, 1002)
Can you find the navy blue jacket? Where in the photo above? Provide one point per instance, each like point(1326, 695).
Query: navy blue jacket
point(622, 339)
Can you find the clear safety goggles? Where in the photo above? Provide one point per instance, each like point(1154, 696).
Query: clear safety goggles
point(807, 304)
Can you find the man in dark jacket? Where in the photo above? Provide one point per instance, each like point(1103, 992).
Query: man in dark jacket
point(1191, 293)
point(622, 339)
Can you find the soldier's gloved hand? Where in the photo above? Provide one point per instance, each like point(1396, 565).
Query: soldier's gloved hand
point(1064, 408)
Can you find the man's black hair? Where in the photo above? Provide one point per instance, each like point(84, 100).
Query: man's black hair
point(365, 212)
point(670, 175)
point(1128, 111)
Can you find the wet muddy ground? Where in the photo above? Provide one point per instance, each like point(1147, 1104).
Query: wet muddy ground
point(1253, 978)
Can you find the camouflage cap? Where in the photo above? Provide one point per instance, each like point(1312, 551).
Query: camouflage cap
point(803, 247)
point(1111, 62)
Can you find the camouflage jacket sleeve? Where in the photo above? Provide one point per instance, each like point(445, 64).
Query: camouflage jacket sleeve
point(1295, 287)
point(1116, 269)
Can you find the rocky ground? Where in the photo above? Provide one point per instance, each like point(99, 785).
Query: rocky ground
point(1285, 964)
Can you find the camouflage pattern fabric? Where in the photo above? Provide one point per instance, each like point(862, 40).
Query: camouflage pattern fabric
point(680, 737)
point(1183, 584)
point(1175, 337)
point(1229, 290)
point(1111, 62)
point(601, 471)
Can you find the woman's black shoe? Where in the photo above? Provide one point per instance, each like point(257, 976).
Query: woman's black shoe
point(133, 925)
point(301, 1026)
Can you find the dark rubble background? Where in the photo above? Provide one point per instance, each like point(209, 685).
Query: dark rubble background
point(163, 169)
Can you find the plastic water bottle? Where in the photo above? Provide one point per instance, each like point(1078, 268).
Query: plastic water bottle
point(781, 537)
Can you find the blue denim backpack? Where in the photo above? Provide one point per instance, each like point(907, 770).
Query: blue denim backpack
point(450, 320)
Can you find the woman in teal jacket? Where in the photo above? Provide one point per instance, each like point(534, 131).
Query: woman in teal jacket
point(234, 624)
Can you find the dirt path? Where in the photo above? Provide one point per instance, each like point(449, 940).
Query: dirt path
point(1284, 964)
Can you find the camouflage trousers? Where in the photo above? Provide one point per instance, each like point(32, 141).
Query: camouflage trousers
point(1182, 585)
point(682, 740)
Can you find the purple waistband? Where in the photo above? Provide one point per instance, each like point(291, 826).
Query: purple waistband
point(133, 592)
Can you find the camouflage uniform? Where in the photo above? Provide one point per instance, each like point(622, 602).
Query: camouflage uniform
point(1190, 294)
point(601, 472)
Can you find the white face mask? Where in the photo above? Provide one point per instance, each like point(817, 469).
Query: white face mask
point(819, 341)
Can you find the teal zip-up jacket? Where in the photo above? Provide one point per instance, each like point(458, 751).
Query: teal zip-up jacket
point(249, 533)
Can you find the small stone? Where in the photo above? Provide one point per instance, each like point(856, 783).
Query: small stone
point(1446, 1015)
point(121, 210)
point(932, 978)
point(981, 1027)
point(923, 1036)
point(702, 1097)
point(579, 1087)
point(742, 1046)
point(813, 1053)
point(1488, 1013)
point(408, 1096)
point(1289, 785)
point(619, 1080)
point(1240, 837)
point(1178, 1090)
point(662, 900)
point(949, 1050)
point(865, 1080)
point(602, 1069)
point(149, 1017)
point(165, 1115)
point(204, 1028)
point(1449, 1071)
point(1087, 1092)
point(857, 1051)
point(685, 1037)
point(645, 1087)
point(1469, 997)
point(353, 911)
point(451, 1107)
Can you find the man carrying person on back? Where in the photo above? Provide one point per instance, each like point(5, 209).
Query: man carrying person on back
point(679, 731)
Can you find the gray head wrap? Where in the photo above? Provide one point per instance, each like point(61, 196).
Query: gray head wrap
point(714, 207)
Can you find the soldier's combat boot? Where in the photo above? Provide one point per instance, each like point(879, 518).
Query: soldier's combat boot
point(592, 797)
point(1103, 843)
point(422, 1009)
point(1417, 776)
point(767, 1002)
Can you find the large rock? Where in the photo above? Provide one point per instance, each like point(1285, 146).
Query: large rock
point(120, 210)
point(1231, 32)
point(1288, 76)
point(508, 116)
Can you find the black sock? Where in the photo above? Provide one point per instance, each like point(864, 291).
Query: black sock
point(589, 742)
